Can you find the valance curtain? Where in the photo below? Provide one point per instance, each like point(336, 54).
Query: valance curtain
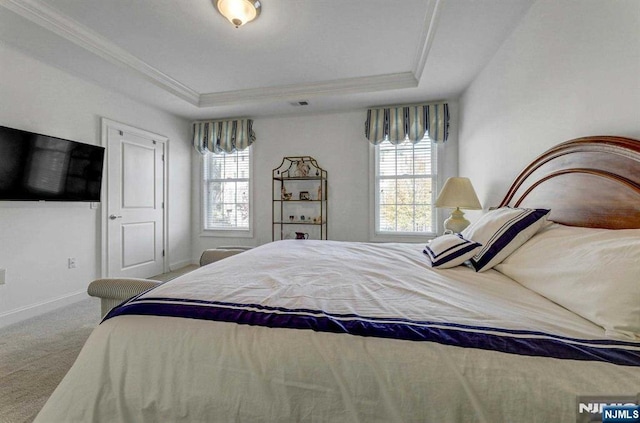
point(408, 123)
point(223, 136)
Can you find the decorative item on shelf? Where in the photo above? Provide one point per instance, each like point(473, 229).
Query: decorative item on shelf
point(304, 195)
point(292, 218)
point(302, 235)
point(317, 220)
point(285, 195)
point(302, 218)
point(458, 193)
point(302, 169)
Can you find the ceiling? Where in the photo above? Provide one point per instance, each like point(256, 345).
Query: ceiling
point(185, 58)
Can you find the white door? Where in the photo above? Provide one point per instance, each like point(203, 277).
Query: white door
point(135, 205)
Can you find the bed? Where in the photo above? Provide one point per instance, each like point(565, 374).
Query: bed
point(327, 331)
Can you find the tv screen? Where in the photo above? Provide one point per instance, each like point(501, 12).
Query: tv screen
point(39, 167)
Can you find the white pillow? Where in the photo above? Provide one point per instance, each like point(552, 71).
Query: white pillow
point(450, 250)
point(593, 272)
point(501, 232)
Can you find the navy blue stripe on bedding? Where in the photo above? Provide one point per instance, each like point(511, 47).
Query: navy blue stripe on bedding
point(521, 342)
point(505, 234)
point(439, 259)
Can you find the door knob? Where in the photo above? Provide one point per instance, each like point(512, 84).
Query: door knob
point(114, 217)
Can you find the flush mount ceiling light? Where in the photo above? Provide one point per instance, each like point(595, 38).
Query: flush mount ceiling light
point(238, 12)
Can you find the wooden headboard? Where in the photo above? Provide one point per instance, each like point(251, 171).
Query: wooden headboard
point(591, 182)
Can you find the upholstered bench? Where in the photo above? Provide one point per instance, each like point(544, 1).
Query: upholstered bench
point(113, 291)
point(215, 254)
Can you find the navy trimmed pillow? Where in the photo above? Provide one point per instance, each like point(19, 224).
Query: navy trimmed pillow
point(450, 250)
point(501, 232)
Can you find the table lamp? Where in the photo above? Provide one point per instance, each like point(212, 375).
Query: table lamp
point(457, 193)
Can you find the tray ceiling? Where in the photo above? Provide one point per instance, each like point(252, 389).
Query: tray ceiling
point(187, 59)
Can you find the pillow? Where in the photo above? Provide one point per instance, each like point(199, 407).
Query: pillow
point(593, 272)
point(450, 250)
point(501, 232)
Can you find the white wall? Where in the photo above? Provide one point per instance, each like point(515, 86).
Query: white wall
point(570, 69)
point(337, 142)
point(37, 238)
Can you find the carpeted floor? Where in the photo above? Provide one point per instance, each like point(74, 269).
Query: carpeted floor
point(37, 353)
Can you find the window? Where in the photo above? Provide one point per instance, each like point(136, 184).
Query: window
point(405, 188)
point(227, 191)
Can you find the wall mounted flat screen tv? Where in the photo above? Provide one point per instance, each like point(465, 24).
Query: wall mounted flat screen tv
point(35, 167)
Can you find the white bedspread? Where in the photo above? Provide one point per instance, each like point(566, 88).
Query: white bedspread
point(139, 368)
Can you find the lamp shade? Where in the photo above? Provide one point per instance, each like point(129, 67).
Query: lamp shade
point(458, 193)
point(238, 12)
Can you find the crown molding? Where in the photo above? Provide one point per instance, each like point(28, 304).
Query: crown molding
point(71, 30)
point(426, 38)
point(298, 91)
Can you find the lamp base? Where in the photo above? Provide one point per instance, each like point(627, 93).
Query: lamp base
point(456, 222)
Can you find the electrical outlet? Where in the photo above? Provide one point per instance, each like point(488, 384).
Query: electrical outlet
point(71, 262)
point(3, 275)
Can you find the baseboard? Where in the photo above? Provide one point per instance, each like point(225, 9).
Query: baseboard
point(34, 310)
